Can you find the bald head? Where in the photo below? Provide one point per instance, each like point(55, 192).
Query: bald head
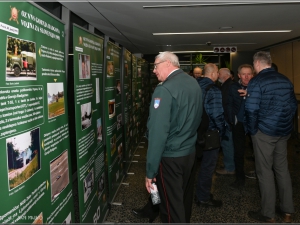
point(197, 72)
point(211, 71)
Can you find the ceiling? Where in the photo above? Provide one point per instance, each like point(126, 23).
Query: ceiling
point(132, 25)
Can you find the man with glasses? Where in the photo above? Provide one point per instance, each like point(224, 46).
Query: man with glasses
point(175, 115)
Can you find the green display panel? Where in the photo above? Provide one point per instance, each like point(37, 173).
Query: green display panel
point(113, 118)
point(138, 97)
point(88, 67)
point(127, 102)
point(35, 173)
point(134, 92)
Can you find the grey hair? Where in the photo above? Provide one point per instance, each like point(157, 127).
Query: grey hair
point(245, 66)
point(263, 57)
point(227, 71)
point(169, 56)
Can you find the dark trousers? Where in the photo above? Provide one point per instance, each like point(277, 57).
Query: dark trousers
point(172, 182)
point(239, 140)
point(151, 210)
point(208, 165)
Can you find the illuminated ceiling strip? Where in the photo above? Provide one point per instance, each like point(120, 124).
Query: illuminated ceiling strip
point(226, 32)
point(205, 44)
point(220, 4)
point(189, 51)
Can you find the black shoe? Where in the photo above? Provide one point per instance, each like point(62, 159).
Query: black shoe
point(259, 217)
point(140, 213)
point(210, 203)
point(237, 185)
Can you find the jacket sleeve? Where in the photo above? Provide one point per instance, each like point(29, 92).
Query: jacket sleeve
point(158, 126)
point(214, 110)
point(252, 106)
point(234, 103)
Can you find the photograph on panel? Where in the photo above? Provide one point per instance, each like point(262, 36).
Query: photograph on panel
point(84, 66)
point(110, 68)
point(139, 69)
point(101, 183)
point(39, 219)
point(111, 108)
point(118, 87)
point(59, 174)
point(68, 220)
point(20, 59)
point(113, 142)
point(86, 115)
point(97, 90)
point(23, 157)
point(99, 130)
point(140, 93)
point(120, 150)
point(119, 121)
point(88, 184)
point(56, 99)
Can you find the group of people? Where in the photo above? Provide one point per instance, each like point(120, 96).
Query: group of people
point(262, 106)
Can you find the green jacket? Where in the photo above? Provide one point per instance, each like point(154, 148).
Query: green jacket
point(175, 114)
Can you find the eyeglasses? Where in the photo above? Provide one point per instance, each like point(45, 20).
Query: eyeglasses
point(155, 64)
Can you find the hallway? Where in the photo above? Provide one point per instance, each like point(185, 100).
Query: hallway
point(236, 204)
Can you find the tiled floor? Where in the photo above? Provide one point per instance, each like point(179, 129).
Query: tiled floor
point(236, 204)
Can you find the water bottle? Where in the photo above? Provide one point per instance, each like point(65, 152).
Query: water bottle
point(154, 195)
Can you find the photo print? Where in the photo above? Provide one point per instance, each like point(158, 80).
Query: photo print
point(59, 174)
point(23, 157)
point(113, 147)
point(118, 87)
point(110, 68)
point(88, 184)
point(99, 130)
point(86, 115)
point(68, 220)
point(97, 90)
point(56, 99)
point(111, 108)
point(119, 121)
point(84, 66)
point(120, 150)
point(20, 59)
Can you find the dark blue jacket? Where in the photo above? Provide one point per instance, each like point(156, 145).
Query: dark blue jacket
point(271, 104)
point(213, 105)
point(236, 103)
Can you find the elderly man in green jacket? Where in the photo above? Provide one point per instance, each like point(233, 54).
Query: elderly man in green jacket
point(175, 114)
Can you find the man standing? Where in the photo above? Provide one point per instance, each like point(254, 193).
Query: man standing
point(236, 108)
point(197, 72)
point(227, 143)
point(214, 110)
point(269, 108)
point(175, 115)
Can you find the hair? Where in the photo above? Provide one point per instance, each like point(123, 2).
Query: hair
point(169, 56)
point(227, 71)
point(209, 68)
point(245, 66)
point(263, 57)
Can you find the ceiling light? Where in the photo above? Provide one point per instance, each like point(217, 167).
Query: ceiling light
point(227, 32)
point(189, 51)
point(224, 28)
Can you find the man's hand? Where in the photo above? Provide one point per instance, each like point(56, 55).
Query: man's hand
point(148, 183)
point(242, 92)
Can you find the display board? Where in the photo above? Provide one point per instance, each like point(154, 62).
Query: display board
point(145, 98)
point(113, 118)
point(35, 169)
point(88, 74)
point(127, 102)
point(134, 92)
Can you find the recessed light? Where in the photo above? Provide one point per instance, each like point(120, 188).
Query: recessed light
point(224, 28)
point(226, 32)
